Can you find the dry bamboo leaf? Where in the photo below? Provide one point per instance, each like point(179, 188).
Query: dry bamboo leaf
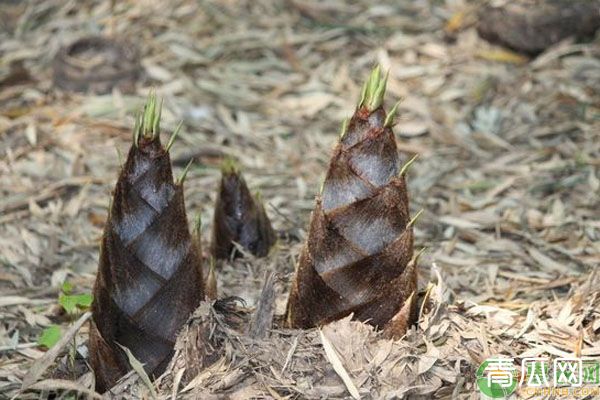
point(176, 382)
point(456, 22)
point(459, 222)
point(529, 321)
point(397, 326)
point(6, 301)
point(411, 128)
point(138, 367)
point(504, 56)
point(546, 262)
point(338, 366)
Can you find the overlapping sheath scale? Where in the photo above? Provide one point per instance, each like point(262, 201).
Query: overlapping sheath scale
point(149, 276)
point(357, 257)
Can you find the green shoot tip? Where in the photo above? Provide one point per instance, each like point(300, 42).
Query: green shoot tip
point(420, 253)
point(229, 166)
point(181, 179)
point(389, 119)
point(415, 218)
point(174, 136)
point(322, 185)
point(344, 128)
point(137, 128)
point(379, 93)
point(147, 122)
point(407, 165)
point(374, 90)
point(198, 224)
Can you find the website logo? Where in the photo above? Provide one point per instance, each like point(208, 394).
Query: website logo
point(499, 377)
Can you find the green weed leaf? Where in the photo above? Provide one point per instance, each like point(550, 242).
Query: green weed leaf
point(72, 302)
point(67, 287)
point(50, 336)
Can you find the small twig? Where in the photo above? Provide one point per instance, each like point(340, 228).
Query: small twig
point(291, 352)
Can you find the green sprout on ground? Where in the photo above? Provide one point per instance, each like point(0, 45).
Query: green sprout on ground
point(74, 305)
point(50, 336)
